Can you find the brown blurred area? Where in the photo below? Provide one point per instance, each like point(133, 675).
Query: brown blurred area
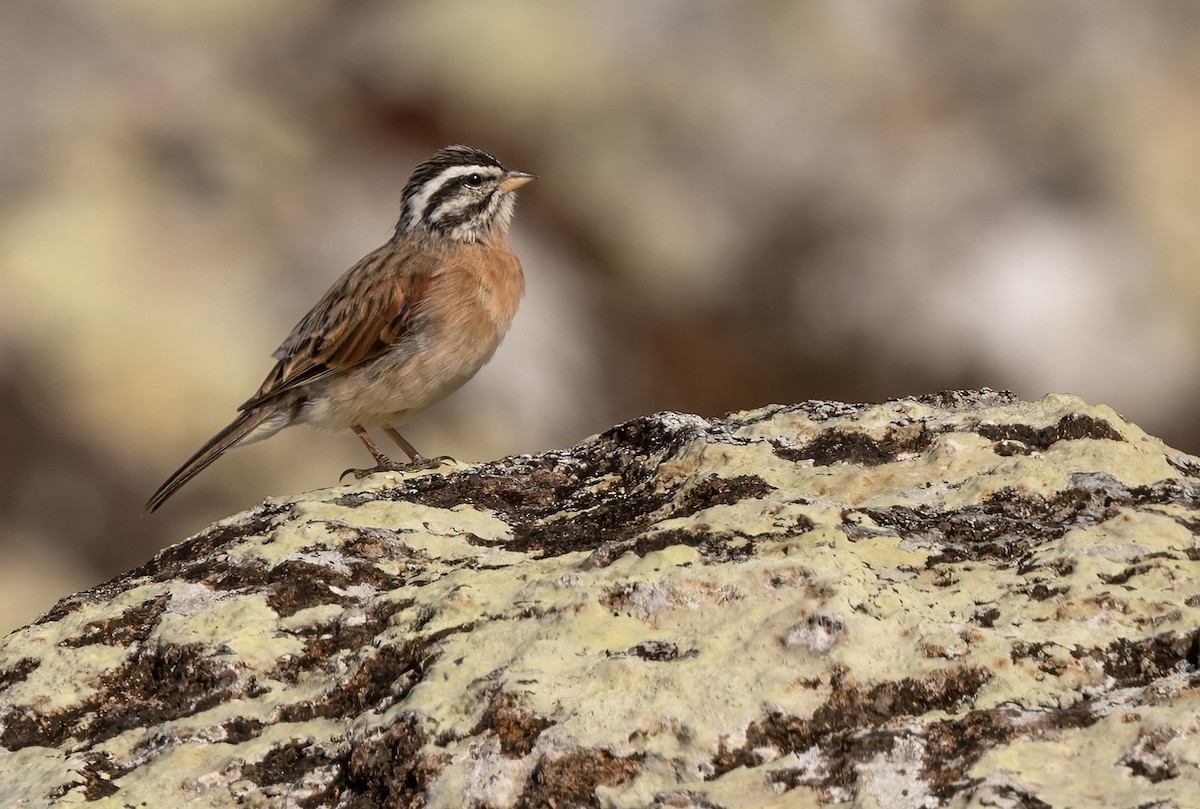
point(739, 203)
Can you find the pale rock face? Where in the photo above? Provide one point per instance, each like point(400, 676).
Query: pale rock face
point(954, 600)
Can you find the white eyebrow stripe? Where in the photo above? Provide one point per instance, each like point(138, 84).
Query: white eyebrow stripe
point(416, 205)
point(461, 171)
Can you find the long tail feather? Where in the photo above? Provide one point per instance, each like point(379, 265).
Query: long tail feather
point(252, 424)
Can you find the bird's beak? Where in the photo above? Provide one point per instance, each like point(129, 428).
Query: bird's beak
point(513, 180)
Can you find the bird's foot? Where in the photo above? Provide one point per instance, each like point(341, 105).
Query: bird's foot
point(416, 465)
point(359, 474)
point(428, 463)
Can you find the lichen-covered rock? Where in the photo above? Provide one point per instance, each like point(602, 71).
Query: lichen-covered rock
point(953, 600)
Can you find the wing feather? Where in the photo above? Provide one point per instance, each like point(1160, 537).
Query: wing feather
point(365, 312)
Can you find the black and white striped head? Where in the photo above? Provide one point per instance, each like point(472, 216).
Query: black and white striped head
point(460, 193)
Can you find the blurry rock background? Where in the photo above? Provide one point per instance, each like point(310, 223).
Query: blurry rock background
point(740, 203)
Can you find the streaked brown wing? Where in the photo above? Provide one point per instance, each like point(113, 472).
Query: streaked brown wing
point(362, 315)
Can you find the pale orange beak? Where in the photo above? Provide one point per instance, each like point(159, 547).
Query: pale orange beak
point(513, 180)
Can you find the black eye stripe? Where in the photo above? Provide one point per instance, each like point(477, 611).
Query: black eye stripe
point(447, 190)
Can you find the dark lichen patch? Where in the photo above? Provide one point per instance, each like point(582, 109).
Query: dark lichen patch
point(297, 584)
point(848, 711)
point(1023, 439)
point(824, 410)
point(1182, 495)
point(97, 771)
point(286, 764)
point(153, 686)
point(949, 748)
point(1150, 757)
point(374, 544)
point(622, 519)
point(1186, 465)
point(1042, 592)
point(515, 726)
point(343, 635)
point(1123, 576)
point(388, 770)
point(953, 746)
point(537, 488)
point(571, 779)
point(1040, 653)
point(1060, 567)
point(530, 496)
point(719, 491)
point(63, 608)
point(1008, 525)
point(378, 679)
point(162, 683)
point(856, 447)
point(23, 727)
point(966, 399)
point(133, 625)
point(611, 491)
point(1137, 662)
point(661, 434)
point(715, 547)
point(242, 729)
point(627, 518)
point(1006, 449)
point(814, 410)
point(814, 776)
point(834, 778)
point(658, 651)
point(18, 671)
point(193, 559)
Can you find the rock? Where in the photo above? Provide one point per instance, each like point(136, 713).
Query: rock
point(953, 600)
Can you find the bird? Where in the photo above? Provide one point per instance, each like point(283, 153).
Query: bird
point(403, 328)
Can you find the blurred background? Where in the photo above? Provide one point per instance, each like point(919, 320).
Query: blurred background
point(739, 204)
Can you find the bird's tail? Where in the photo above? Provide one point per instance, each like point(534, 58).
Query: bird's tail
point(250, 425)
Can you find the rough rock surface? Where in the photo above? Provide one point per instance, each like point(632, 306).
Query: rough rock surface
point(954, 600)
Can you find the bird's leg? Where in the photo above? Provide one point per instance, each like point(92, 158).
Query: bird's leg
point(401, 442)
point(384, 463)
point(419, 461)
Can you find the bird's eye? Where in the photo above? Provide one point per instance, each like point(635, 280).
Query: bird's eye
point(474, 180)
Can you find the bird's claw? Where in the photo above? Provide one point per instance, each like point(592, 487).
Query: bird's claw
point(430, 463)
